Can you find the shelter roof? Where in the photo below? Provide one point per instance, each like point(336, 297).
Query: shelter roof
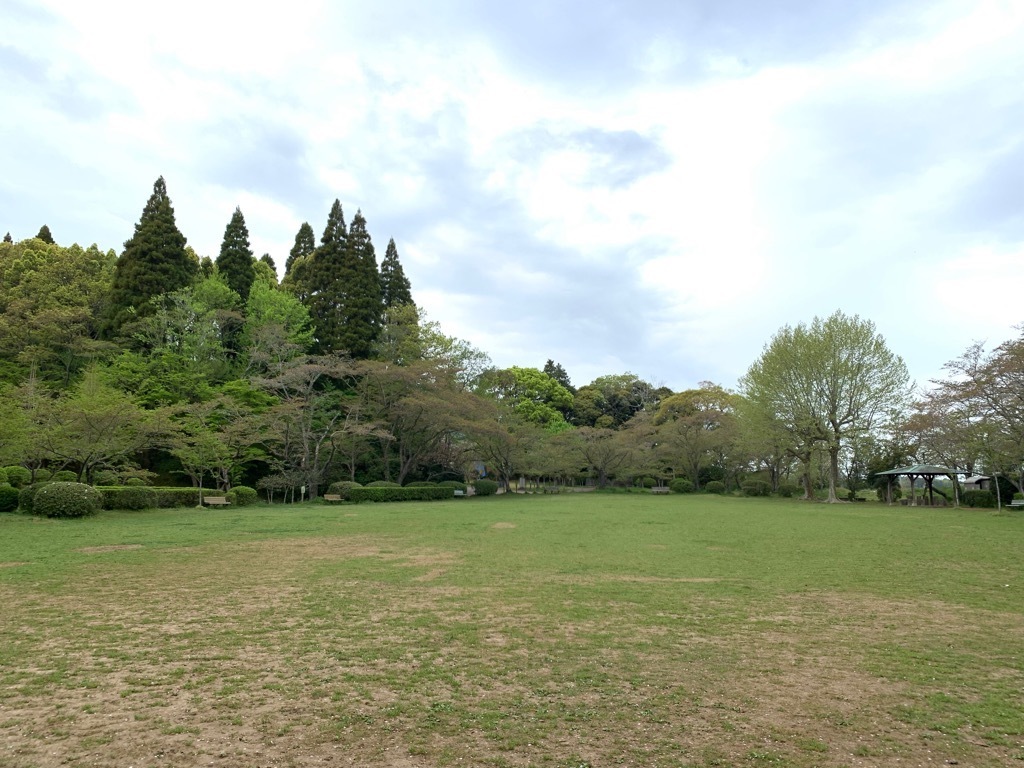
point(922, 469)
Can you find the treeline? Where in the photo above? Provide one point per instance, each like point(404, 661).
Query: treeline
point(162, 364)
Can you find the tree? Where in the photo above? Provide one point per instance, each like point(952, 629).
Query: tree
point(235, 262)
point(305, 244)
point(828, 383)
point(8, 238)
point(44, 235)
point(695, 427)
point(395, 288)
point(531, 394)
point(277, 328)
point(318, 280)
point(360, 308)
point(611, 401)
point(602, 450)
point(557, 372)
point(154, 262)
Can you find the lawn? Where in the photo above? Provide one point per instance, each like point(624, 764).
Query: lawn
point(564, 631)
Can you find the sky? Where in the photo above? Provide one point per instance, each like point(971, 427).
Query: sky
point(653, 186)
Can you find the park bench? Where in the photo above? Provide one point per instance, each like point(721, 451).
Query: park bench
point(660, 489)
point(1017, 503)
point(332, 497)
point(459, 492)
point(216, 501)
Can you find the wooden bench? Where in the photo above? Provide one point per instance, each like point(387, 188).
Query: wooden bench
point(332, 497)
point(216, 501)
point(459, 493)
point(660, 489)
point(1016, 503)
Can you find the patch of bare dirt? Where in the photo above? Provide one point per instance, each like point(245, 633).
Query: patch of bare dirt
point(503, 526)
point(108, 548)
point(14, 563)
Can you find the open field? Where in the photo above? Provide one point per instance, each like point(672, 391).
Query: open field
point(563, 631)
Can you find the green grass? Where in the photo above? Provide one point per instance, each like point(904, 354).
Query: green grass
point(571, 630)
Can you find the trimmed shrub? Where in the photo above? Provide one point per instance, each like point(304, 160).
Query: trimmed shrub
point(177, 497)
point(714, 486)
point(134, 482)
point(132, 497)
point(455, 485)
point(421, 484)
point(645, 482)
point(67, 500)
point(243, 496)
point(681, 485)
point(8, 498)
point(382, 493)
point(983, 499)
point(485, 488)
point(26, 498)
point(757, 488)
point(788, 490)
point(343, 487)
point(64, 476)
point(383, 484)
point(42, 475)
point(19, 477)
point(3, 477)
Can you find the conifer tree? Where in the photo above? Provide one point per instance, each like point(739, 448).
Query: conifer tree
point(154, 262)
point(44, 235)
point(305, 244)
point(235, 260)
point(267, 259)
point(395, 289)
point(8, 238)
point(361, 308)
point(317, 280)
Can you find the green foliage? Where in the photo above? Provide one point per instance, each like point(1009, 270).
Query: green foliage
point(342, 488)
point(45, 235)
point(27, 496)
point(243, 496)
point(395, 288)
point(397, 493)
point(681, 485)
point(788, 490)
point(305, 244)
point(64, 476)
point(455, 485)
point(235, 262)
point(714, 486)
point(421, 484)
point(982, 499)
point(130, 497)
point(3, 476)
point(757, 488)
point(530, 393)
point(19, 477)
point(484, 487)
point(134, 481)
point(383, 484)
point(67, 500)
point(8, 498)
point(105, 477)
point(177, 497)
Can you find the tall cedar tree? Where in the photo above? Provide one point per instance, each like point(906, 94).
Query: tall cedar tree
point(305, 244)
point(44, 235)
point(154, 262)
point(395, 288)
point(317, 281)
point(361, 308)
point(8, 238)
point(235, 262)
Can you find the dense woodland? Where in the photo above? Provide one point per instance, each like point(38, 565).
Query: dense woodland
point(162, 364)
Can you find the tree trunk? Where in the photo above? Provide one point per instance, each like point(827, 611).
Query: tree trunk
point(833, 471)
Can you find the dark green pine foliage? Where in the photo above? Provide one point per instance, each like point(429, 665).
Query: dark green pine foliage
point(361, 306)
point(305, 244)
point(235, 262)
point(317, 281)
point(395, 288)
point(8, 238)
point(154, 262)
point(267, 259)
point(44, 235)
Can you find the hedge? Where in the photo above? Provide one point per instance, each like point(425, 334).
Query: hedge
point(379, 493)
point(342, 488)
point(243, 496)
point(8, 498)
point(129, 496)
point(484, 488)
point(980, 499)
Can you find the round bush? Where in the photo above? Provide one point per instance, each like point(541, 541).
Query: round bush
point(135, 482)
point(383, 484)
point(19, 477)
point(485, 488)
point(681, 485)
point(714, 486)
point(243, 496)
point(26, 498)
point(42, 475)
point(64, 476)
point(454, 484)
point(3, 477)
point(645, 482)
point(788, 490)
point(67, 500)
point(342, 487)
point(8, 498)
point(136, 497)
point(757, 488)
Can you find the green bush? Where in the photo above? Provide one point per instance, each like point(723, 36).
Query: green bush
point(383, 484)
point(3, 477)
point(455, 485)
point(897, 492)
point(757, 488)
point(177, 497)
point(8, 498)
point(243, 496)
point(42, 475)
point(421, 484)
point(26, 498)
point(485, 488)
point(64, 476)
point(382, 493)
point(134, 482)
point(132, 497)
point(342, 488)
point(714, 486)
point(983, 499)
point(67, 500)
point(789, 490)
point(19, 477)
point(645, 482)
point(681, 485)
point(107, 477)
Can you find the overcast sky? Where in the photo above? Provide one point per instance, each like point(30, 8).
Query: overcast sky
point(653, 186)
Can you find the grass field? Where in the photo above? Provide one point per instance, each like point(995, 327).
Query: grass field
point(564, 631)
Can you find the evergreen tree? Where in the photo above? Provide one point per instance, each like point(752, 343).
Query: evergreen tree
point(44, 235)
point(557, 372)
point(267, 259)
point(317, 280)
point(361, 308)
point(154, 262)
point(395, 289)
point(8, 238)
point(235, 260)
point(305, 244)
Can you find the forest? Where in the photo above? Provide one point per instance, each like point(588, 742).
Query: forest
point(171, 368)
